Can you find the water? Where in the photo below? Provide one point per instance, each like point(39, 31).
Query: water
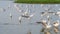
point(12, 26)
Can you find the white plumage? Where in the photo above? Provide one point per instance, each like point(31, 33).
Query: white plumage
point(56, 24)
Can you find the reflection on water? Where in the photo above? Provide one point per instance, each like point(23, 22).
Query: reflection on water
point(9, 19)
point(55, 31)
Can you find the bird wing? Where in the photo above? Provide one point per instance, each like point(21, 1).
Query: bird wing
point(32, 15)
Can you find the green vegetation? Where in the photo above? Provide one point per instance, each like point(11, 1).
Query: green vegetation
point(38, 1)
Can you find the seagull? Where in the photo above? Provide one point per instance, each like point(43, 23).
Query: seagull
point(43, 22)
point(26, 14)
point(57, 13)
point(17, 7)
point(10, 15)
point(48, 26)
point(31, 15)
point(56, 24)
point(48, 17)
point(48, 23)
point(20, 19)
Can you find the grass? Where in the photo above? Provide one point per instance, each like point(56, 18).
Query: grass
point(38, 1)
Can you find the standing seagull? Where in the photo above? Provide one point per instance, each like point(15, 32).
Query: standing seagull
point(48, 24)
point(56, 24)
point(20, 19)
point(10, 15)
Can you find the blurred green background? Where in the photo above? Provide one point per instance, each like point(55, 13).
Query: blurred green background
point(38, 1)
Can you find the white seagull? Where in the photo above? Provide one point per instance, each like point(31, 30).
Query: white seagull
point(56, 24)
point(10, 15)
point(27, 15)
point(20, 18)
point(48, 26)
point(17, 7)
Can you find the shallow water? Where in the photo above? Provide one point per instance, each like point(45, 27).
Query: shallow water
point(12, 26)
